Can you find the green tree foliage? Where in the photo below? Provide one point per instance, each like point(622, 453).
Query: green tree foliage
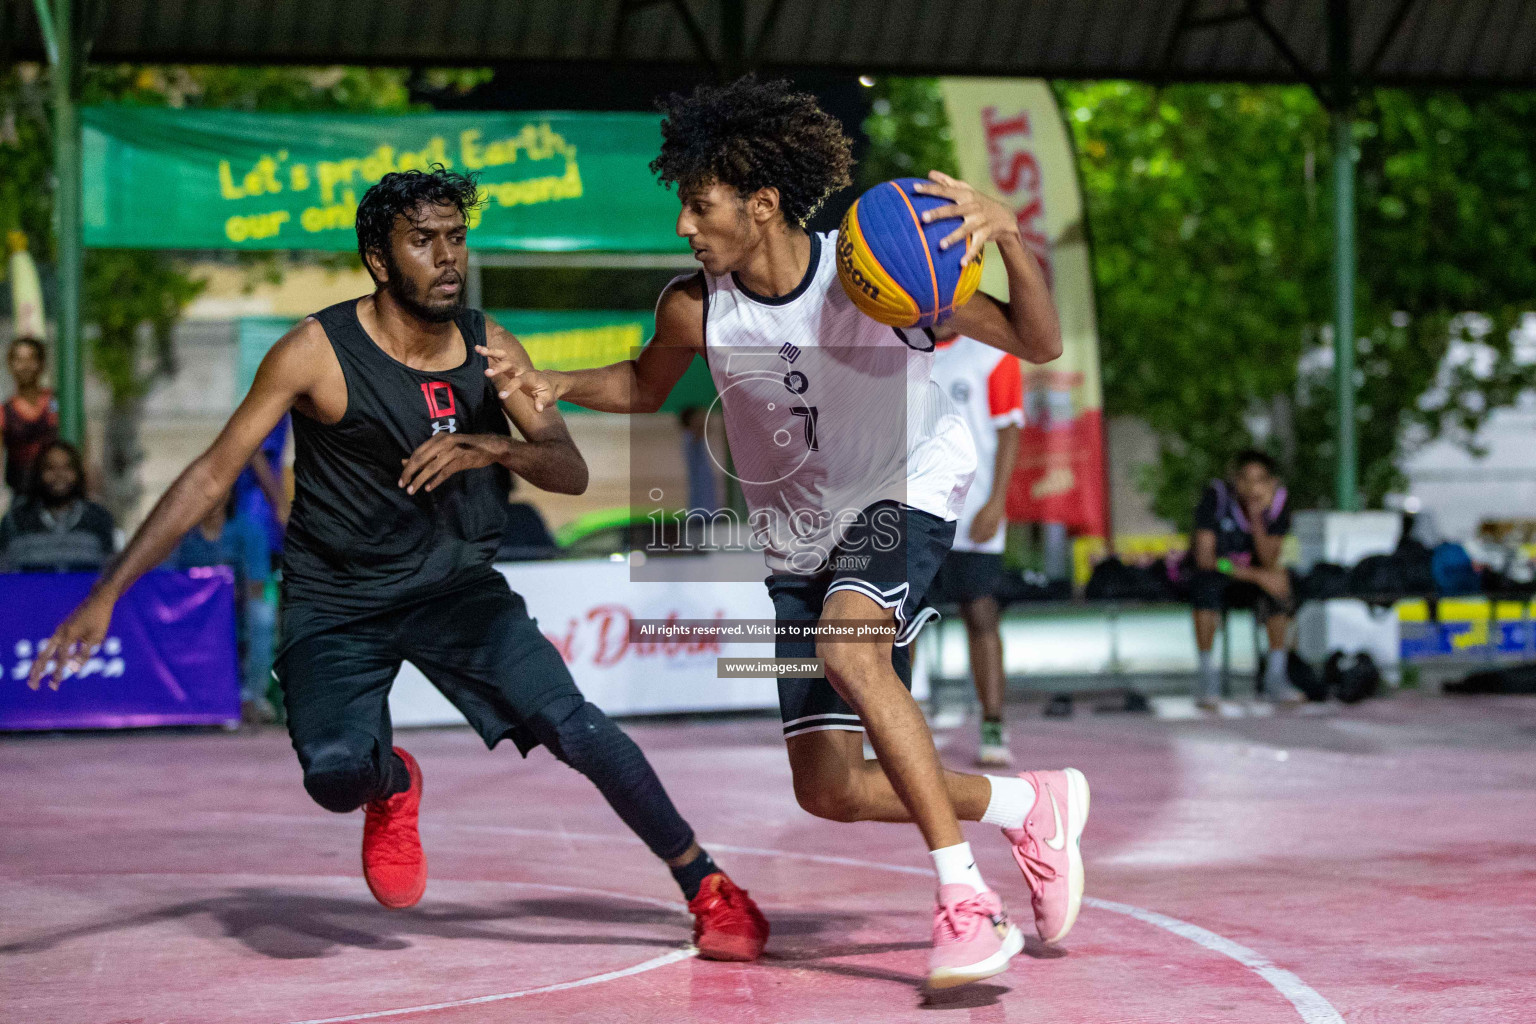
point(908, 132)
point(132, 298)
point(1210, 213)
point(1210, 250)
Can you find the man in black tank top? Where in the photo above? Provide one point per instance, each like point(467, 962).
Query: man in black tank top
point(404, 462)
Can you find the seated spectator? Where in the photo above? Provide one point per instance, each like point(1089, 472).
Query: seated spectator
point(54, 528)
point(1234, 562)
point(525, 536)
point(29, 419)
point(227, 537)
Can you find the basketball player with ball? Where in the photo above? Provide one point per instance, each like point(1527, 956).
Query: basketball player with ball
point(853, 462)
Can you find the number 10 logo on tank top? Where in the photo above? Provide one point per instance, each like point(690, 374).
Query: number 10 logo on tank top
point(440, 407)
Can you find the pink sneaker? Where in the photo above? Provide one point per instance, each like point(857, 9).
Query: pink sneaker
point(1047, 849)
point(972, 937)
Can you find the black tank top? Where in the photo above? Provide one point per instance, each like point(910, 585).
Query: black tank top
point(357, 542)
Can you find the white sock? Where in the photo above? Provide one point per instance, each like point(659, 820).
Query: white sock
point(956, 866)
point(1012, 800)
point(1274, 668)
point(1209, 685)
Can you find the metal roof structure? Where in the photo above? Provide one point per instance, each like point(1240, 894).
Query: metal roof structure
point(1427, 42)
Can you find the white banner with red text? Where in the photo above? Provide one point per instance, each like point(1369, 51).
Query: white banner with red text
point(586, 607)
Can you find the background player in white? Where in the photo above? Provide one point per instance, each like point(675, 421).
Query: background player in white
point(841, 441)
point(987, 387)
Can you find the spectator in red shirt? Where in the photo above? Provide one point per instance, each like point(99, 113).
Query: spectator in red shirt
point(29, 419)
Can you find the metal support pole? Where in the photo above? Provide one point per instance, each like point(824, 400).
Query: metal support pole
point(474, 288)
point(1341, 94)
point(66, 211)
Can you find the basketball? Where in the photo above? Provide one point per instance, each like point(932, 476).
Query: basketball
point(890, 263)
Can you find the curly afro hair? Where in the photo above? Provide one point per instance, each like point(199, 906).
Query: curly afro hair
point(751, 135)
point(402, 194)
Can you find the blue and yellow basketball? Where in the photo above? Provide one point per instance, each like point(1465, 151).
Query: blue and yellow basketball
point(890, 262)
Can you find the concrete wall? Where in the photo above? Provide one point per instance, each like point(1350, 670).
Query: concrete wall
point(1462, 490)
point(1132, 446)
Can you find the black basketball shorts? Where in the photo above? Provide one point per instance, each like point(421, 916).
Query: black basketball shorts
point(476, 644)
point(893, 575)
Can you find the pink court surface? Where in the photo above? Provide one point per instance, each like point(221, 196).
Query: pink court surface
point(1369, 864)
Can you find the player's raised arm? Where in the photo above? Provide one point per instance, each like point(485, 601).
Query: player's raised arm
point(634, 385)
point(285, 375)
point(1025, 326)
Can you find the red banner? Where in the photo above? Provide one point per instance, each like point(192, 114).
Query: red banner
point(1011, 142)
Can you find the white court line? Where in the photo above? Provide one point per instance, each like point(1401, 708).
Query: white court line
point(1312, 1007)
point(1309, 1003)
point(649, 965)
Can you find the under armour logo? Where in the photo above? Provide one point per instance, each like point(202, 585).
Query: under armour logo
point(445, 426)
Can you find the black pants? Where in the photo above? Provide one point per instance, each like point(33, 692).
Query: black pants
point(1210, 590)
point(478, 646)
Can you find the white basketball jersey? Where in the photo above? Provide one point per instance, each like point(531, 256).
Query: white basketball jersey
point(987, 388)
point(828, 412)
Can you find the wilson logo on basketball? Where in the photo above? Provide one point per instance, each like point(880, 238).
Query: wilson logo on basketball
point(845, 258)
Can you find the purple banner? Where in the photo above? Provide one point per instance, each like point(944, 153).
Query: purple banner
point(169, 657)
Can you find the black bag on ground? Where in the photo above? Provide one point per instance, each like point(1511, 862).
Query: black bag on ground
point(1519, 679)
point(1305, 678)
point(1351, 677)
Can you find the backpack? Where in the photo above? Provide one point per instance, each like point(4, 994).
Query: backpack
point(1113, 580)
point(1351, 677)
point(1305, 678)
point(1324, 582)
point(1382, 579)
point(1452, 568)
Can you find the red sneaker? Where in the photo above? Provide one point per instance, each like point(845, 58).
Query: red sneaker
point(393, 862)
point(726, 923)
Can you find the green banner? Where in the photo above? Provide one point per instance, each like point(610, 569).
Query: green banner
point(157, 178)
point(555, 340)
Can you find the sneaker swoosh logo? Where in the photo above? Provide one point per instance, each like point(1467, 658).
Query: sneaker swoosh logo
point(1058, 843)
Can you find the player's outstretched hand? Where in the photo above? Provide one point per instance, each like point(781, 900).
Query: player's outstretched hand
point(503, 367)
point(442, 455)
point(76, 639)
point(511, 375)
point(982, 218)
